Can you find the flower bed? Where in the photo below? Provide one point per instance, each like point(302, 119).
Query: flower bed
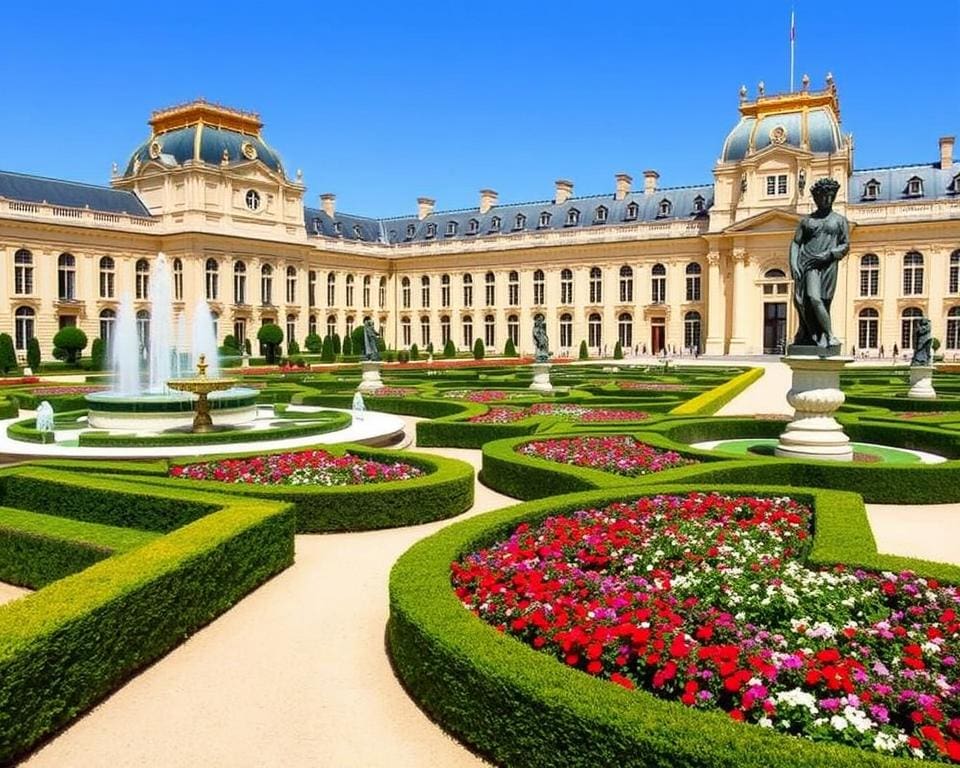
point(579, 413)
point(483, 395)
point(67, 389)
point(653, 386)
point(620, 454)
point(300, 468)
point(703, 599)
point(391, 392)
point(19, 381)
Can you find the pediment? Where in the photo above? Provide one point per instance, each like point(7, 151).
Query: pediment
point(773, 151)
point(776, 220)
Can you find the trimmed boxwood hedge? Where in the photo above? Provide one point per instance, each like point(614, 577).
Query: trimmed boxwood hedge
point(520, 707)
point(713, 400)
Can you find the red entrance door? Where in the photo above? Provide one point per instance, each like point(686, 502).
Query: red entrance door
point(657, 335)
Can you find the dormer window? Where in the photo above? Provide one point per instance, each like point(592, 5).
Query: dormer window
point(451, 228)
point(633, 210)
point(431, 230)
point(495, 224)
point(664, 209)
point(955, 185)
point(544, 219)
point(915, 187)
point(600, 215)
point(699, 204)
point(411, 231)
point(317, 227)
point(337, 228)
point(871, 190)
point(357, 232)
point(521, 221)
point(473, 227)
point(573, 217)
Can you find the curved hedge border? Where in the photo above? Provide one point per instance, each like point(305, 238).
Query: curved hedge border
point(522, 708)
point(713, 400)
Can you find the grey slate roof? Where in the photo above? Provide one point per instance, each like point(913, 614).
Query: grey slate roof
point(69, 194)
point(937, 182)
point(822, 132)
point(177, 147)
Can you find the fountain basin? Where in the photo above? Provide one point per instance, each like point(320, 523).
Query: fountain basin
point(159, 412)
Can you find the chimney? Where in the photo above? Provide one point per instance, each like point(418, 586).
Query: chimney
point(488, 199)
point(624, 180)
point(946, 151)
point(564, 189)
point(425, 207)
point(650, 182)
point(328, 201)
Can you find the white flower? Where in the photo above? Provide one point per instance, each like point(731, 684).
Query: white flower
point(838, 722)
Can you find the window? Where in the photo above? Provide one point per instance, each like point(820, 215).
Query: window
point(444, 329)
point(468, 290)
point(405, 293)
point(431, 230)
point(626, 284)
point(444, 290)
point(317, 226)
point(366, 291)
point(693, 273)
point(312, 325)
point(24, 319)
point(775, 282)
point(212, 279)
point(777, 185)
point(513, 329)
point(467, 324)
point(513, 289)
point(66, 277)
point(539, 287)
point(338, 228)
point(357, 232)
point(573, 217)
point(143, 329)
point(349, 291)
point(955, 185)
point(239, 283)
point(544, 219)
point(411, 231)
point(177, 280)
point(658, 284)
point(266, 285)
point(331, 289)
point(594, 330)
point(566, 331)
point(868, 324)
point(953, 328)
point(914, 187)
point(382, 293)
point(291, 328)
point(142, 283)
point(425, 291)
point(495, 224)
point(240, 331)
point(871, 191)
point(954, 274)
point(691, 331)
point(108, 319)
point(23, 272)
point(699, 204)
point(451, 228)
point(908, 326)
point(253, 200)
point(633, 210)
point(332, 325)
point(473, 226)
point(349, 324)
point(489, 331)
point(107, 278)
point(912, 274)
point(312, 288)
point(600, 215)
point(520, 222)
point(596, 285)
point(664, 209)
point(869, 275)
point(291, 294)
point(625, 330)
point(490, 289)
point(566, 286)
point(215, 318)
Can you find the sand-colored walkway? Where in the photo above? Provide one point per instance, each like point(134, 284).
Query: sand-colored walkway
point(767, 395)
point(10, 592)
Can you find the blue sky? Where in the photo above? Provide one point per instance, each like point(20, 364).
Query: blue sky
point(381, 103)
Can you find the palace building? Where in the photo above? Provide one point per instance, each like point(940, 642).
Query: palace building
point(687, 268)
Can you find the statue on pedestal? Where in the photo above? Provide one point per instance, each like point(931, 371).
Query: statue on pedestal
point(821, 240)
point(541, 343)
point(370, 336)
point(922, 343)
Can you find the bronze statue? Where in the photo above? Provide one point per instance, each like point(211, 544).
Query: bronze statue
point(922, 343)
point(821, 240)
point(541, 343)
point(370, 349)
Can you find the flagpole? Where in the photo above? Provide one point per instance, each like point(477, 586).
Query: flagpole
point(793, 42)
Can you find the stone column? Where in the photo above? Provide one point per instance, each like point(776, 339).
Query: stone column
point(716, 316)
point(738, 334)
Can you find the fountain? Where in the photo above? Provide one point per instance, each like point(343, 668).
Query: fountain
point(201, 386)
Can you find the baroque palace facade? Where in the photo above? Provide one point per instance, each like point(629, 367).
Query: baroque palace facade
point(683, 268)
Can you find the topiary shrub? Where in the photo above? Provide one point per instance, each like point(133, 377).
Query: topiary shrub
point(617, 351)
point(313, 343)
point(98, 352)
point(230, 345)
point(356, 340)
point(33, 353)
point(327, 355)
point(478, 350)
point(414, 352)
point(509, 350)
point(347, 348)
point(72, 341)
point(403, 356)
point(449, 349)
point(8, 355)
point(293, 348)
point(271, 336)
point(584, 352)
point(337, 346)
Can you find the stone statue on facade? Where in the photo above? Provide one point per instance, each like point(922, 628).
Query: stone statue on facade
point(821, 240)
point(370, 336)
point(541, 343)
point(922, 343)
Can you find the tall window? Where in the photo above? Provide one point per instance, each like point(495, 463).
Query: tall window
point(626, 283)
point(107, 275)
point(331, 289)
point(539, 284)
point(177, 280)
point(142, 274)
point(239, 284)
point(424, 331)
point(291, 285)
point(491, 289)
point(331, 325)
point(23, 325)
point(693, 273)
point(658, 284)
point(291, 328)
point(596, 285)
point(240, 331)
point(266, 285)
point(869, 275)
point(66, 277)
point(954, 278)
point(382, 293)
point(513, 329)
point(143, 329)
point(566, 331)
point(513, 289)
point(108, 318)
point(625, 330)
point(312, 325)
point(405, 293)
point(489, 331)
point(467, 324)
point(908, 326)
point(777, 185)
point(366, 291)
point(953, 328)
point(312, 288)
point(594, 330)
point(349, 286)
point(444, 291)
point(912, 274)
point(566, 286)
point(444, 329)
point(425, 291)
point(349, 324)
point(468, 290)
point(868, 327)
point(23, 272)
point(691, 331)
point(212, 279)
point(405, 331)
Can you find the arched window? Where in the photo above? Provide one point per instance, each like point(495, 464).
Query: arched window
point(143, 330)
point(953, 328)
point(178, 280)
point(431, 230)
point(444, 291)
point(312, 325)
point(573, 217)
point(239, 283)
point(382, 293)
point(142, 283)
point(625, 330)
point(291, 286)
point(513, 329)
point(24, 320)
point(489, 331)
point(908, 326)
point(108, 319)
point(444, 329)
point(66, 277)
point(291, 329)
point(566, 331)
point(212, 274)
point(468, 290)
point(912, 274)
point(868, 328)
point(633, 211)
point(691, 332)
point(520, 222)
point(544, 219)
point(658, 284)
point(693, 273)
point(664, 209)
point(349, 329)
point(331, 289)
point(366, 291)
point(405, 293)
point(495, 224)
point(600, 215)
point(594, 331)
point(539, 287)
point(312, 288)
point(490, 287)
point(954, 277)
point(513, 289)
point(626, 284)
point(349, 291)
point(451, 228)
point(914, 187)
point(596, 285)
point(332, 325)
point(871, 190)
point(411, 231)
point(266, 285)
point(775, 281)
point(23, 272)
point(869, 275)
point(473, 226)
point(699, 204)
point(240, 331)
point(425, 291)
point(107, 278)
point(467, 324)
point(566, 286)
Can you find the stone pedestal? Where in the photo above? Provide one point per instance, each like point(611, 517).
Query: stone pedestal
point(541, 378)
point(371, 376)
point(815, 396)
point(921, 382)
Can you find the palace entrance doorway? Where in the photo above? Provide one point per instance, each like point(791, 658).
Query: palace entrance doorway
point(774, 327)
